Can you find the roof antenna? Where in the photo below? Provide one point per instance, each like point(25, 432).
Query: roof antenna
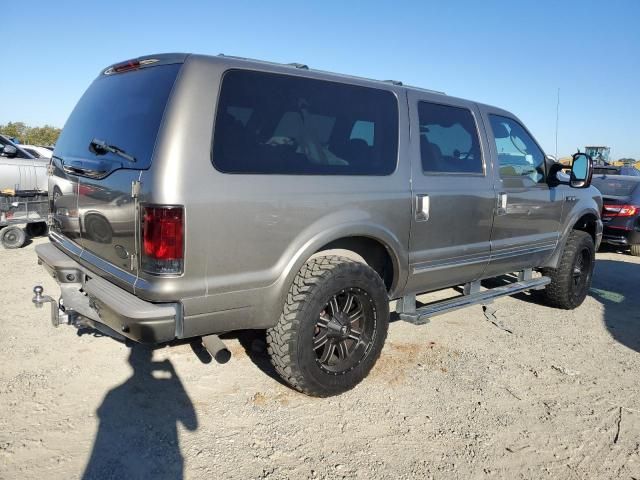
point(557, 118)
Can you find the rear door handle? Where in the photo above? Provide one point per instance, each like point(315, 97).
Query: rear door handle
point(422, 208)
point(502, 203)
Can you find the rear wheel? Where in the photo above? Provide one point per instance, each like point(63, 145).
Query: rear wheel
point(13, 237)
point(332, 328)
point(635, 250)
point(570, 282)
point(98, 228)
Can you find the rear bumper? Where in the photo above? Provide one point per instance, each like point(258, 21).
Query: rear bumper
point(83, 294)
point(614, 236)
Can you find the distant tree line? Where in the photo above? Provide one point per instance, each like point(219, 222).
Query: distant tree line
point(47, 135)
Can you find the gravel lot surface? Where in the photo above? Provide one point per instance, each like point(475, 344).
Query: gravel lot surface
point(540, 393)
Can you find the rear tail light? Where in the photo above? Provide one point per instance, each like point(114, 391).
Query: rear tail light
point(85, 189)
point(620, 210)
point(163, 240)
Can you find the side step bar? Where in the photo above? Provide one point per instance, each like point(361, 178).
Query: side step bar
point(406, 306)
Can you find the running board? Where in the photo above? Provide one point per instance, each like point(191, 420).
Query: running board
point(406, 306)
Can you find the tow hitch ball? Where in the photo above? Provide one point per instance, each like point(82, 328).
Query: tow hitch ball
point(39, 300)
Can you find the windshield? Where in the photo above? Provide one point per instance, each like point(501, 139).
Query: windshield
point(124, 110)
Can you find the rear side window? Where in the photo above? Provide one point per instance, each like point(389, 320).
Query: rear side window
point(278, 124)
point(448, 140)
point(124, 109)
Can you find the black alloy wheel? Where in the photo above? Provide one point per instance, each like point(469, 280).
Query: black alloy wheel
point(345, 331)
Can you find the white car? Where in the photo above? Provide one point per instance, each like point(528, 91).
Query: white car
point(19, 170)
point(36, 151)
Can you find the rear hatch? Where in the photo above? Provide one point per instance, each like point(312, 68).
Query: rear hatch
point(106, 144)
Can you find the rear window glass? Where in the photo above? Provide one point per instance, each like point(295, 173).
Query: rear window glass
point(615, 186)
point(124, 110)
point(279, 124)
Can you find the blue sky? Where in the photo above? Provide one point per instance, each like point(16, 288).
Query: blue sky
point(507, 53)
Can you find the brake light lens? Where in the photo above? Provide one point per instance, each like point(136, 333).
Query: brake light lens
point(163, 240)
point(128, 65)
point(620, 210)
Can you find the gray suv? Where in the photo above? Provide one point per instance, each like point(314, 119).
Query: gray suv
point(196, 195)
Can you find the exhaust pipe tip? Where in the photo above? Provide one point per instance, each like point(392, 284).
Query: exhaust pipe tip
point(216, 348)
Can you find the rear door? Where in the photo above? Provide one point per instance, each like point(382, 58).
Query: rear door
point(453, 195)
point(92, 186)
point(526, 226)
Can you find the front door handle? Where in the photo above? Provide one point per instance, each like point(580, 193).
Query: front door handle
point(422, 208)
point(502, 203)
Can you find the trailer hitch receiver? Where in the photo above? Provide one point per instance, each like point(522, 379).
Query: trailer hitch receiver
point(39, 300)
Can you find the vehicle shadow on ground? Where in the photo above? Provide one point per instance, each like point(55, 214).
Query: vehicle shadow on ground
point(616, 284)
point(254, 343)
point(138, 434)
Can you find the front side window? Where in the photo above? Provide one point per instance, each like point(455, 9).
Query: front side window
point(518, 153)
point(279, 124)
point(32, 152)
point(448, 140)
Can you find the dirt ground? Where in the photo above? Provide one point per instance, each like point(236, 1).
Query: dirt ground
point(540, 393)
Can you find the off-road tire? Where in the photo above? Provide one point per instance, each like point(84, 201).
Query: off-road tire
point(98, 228)
point(563, 292)
point(635, 250)
point(13, 237)
point(290, 341)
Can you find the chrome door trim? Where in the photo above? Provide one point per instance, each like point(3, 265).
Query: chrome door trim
point(462, 262)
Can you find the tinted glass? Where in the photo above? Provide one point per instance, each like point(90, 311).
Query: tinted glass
point(518, 153)
point(448, 139)
point(616, 186)
point(631, 171)
point(278, 124)
point(123, 109)
point(32, 152)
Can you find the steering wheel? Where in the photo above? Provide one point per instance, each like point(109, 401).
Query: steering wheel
point(459, 155)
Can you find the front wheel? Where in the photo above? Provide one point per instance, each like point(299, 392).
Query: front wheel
point(570, 282)
point(332, 328)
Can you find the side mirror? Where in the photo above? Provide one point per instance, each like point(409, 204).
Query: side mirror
point(9, 151)
point(581, 170)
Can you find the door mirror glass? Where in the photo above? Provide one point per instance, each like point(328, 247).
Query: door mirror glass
point(581, 170)
point(9, 151)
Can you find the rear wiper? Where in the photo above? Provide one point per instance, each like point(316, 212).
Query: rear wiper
point(100, 147)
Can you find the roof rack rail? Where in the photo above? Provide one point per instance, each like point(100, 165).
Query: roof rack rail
point(394, 82)
point(301, 66)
